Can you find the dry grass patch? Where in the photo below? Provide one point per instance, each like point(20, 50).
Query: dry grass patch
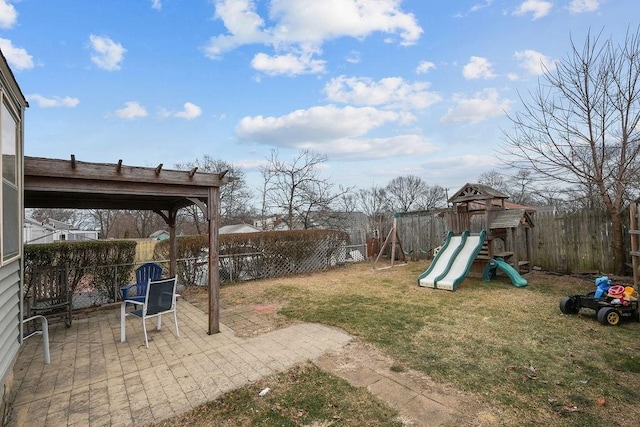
point(302, 396)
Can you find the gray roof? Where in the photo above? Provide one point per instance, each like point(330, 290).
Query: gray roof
point(238, 228)
point(470, 192)
point(512, 218)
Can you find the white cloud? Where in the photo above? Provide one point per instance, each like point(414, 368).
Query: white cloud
point(481, 106)
point(243, 23)
point(424, 67)
point(584, 6)
point(479, 6)
point(538, 8)
point(156, 4)
point(373, 148)
point(17, 57)
point(55, 101)
point(288, 64)
point(340, 132)
point(392, 92)
point(353, 57)
point(107, 54)
point(303, 26)
point(251, 164)
point(132, 110)
point(316, 123)
point(535, 63)
point(478, 68)
point(456, 169)
point(314, 22)
point(8, 15)
point(190, 112)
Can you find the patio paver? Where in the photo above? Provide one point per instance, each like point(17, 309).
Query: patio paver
point(95, 380)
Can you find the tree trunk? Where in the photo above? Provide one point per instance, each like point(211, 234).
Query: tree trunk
point(618, 243)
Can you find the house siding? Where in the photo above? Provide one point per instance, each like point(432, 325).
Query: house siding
point(10, 271)
point(9, 330)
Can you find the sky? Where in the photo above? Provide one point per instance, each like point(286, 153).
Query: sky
point(382, 88)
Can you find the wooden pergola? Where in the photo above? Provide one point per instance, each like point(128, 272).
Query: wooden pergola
point(72, 184)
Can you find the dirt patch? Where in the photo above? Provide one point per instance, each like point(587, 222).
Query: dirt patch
point(420, 401)
point(252, 320)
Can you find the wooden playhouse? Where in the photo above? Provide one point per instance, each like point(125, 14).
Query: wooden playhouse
point(478, 207)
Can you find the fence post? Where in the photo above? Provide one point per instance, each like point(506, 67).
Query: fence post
point(115, 284)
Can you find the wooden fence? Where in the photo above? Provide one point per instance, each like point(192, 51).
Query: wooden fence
point(571, 242)
point(634, 233)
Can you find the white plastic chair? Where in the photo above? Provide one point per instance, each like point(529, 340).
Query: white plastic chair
point(160, 298)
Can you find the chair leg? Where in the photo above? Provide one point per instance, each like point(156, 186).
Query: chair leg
point(123, 336)
point(175, 319)
point(144, 328)
point(159, 322)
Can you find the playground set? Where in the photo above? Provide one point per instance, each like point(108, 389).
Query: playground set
point(489, 236)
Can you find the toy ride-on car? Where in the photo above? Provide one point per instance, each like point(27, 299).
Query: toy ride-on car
point(612, 304)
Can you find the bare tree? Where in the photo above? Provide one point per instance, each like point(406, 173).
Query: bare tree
point(74, 217)
point(495, 180)
point(235, 197)
point(146, 222)
point(409, 192)
point(433, 197)
point(298, 189)
point(104, 220)
point(581, 126)
point(374, 203)
point(523, 191)
point(267, 187)
point(404, 192)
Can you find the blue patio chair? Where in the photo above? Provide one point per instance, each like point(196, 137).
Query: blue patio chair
point(144, 273)
point(160, 298)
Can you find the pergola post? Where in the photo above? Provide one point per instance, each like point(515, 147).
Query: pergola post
point(214, 268)
point(173, 243)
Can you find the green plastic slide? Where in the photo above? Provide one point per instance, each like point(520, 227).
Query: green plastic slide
point(515, 277)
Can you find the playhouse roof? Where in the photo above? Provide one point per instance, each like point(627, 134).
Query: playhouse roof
point(470, 192)
point(511, 218)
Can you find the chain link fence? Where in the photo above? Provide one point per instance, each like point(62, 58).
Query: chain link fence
point(100, 285)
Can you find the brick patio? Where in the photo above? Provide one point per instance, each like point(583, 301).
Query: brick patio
point(94, 380)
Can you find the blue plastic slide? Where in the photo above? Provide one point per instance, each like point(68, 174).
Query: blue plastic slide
point(517, 280)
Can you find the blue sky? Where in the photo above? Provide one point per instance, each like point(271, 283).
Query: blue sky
point(384, 88)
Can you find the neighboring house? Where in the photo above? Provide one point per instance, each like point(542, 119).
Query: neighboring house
point(51, 230)
point(13, 106)
point(275, 222)
point(355, 224)
point(238, 228)
point(159, 235)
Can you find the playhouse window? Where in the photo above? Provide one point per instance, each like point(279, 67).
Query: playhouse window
point(10, 234)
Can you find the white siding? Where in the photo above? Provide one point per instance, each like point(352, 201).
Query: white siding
point(9, 316)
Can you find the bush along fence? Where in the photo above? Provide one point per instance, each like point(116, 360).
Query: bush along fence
point(250, 256)
point(95, 271)
point(77, 264)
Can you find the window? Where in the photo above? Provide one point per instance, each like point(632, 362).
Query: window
point(10, 234)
